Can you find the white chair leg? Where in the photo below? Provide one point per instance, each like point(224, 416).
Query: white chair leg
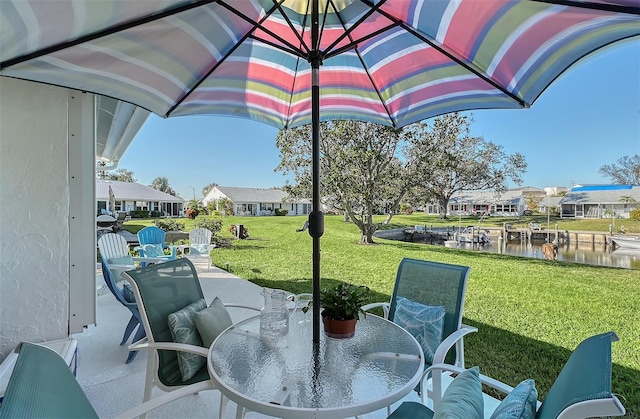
point(223, 407)
point(240, 412)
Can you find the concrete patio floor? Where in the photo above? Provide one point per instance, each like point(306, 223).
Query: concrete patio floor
point(114, 387)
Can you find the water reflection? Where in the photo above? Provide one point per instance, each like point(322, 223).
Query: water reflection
point(585, 253)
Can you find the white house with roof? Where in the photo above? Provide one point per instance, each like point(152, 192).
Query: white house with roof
point(131, 196)
point(600, 201)
point(508, 203)
point(256, 201)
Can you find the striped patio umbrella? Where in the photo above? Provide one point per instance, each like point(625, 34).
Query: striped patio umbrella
point(294, 62)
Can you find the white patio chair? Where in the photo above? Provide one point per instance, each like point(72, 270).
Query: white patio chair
point(199, 246)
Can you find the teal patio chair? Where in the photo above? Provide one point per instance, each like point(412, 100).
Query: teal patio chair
point(581, 390)
point(152, 244)
point(431, 292)
point(160, 290)
point(42, 386)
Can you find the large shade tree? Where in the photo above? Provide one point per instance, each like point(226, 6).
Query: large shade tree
point(449, 159)
point(122, 175)
point(625, 172)
point(361, 172)
point(161, 184)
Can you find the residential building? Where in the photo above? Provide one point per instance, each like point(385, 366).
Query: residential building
point(256, 201)
point(508, 203)
point(131, 196)
point(600, 201)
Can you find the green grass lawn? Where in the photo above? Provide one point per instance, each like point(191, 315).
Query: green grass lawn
point(530, 313)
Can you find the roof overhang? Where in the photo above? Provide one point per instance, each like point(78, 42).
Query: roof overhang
point(117, 123)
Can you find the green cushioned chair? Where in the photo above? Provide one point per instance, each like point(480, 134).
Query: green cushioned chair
point(581, 390)
point(434, 284)
point(43, 386)
point(160, 290)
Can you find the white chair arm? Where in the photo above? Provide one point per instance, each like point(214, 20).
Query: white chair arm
point(232, 305)
point(166, 398)
point(141, 344)
point(451, 340)
point(385, 308)
point(172, 346)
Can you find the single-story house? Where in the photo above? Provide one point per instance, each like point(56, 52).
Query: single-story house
point(550, 202)
point(256, 201)
point(130, 196)
point(600, 201)
point(507, 203)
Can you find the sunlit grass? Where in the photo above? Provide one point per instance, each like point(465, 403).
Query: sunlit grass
point(530, 313)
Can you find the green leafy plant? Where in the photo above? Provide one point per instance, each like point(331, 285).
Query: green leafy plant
point(169, 224)
point(342, 302)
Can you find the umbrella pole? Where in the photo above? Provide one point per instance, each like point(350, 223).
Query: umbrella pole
point(316, 218)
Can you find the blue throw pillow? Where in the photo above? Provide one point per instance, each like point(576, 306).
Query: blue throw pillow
point(153, 250)
point(463, 398)
point(422, 321)
point(520, 403)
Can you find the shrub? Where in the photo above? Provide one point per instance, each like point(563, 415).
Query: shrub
point(635, 214)
point(169, 224)
point(406, 209)
point(212, 224)
point(191, 213)
point(281, 211)
point(155, 214)
point(139, 214)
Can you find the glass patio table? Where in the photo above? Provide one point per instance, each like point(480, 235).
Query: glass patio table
point(380, 365)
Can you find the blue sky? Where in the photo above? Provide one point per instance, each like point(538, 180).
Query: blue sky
point(587, 118)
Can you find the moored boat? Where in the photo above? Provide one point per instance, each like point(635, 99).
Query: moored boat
point(628, 242)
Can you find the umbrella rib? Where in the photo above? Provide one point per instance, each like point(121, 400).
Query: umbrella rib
point(347, 33)
point(450, 55)
point(354, 44)
point(258, 25)
point(249, 34)
point(614, 8)
point(366, 69)
point(102, 33)
point(286, 17)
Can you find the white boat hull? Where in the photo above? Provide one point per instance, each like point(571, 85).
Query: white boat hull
point(627, 242)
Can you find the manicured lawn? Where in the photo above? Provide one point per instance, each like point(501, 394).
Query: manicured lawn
point(530, 313)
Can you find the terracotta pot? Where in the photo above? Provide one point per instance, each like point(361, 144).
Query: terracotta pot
point(339, 329)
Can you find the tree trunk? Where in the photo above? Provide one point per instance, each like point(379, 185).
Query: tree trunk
point(387, 219)
point(346, 216)
point(366, 233)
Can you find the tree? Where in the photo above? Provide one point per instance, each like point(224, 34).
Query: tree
point(208, 188)
point(122, 175)
point(361, 173)
point(162, 184)
point(449, 159)
point(626, 172)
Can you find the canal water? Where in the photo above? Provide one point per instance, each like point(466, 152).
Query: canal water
point(597, 254)
point(585, 253)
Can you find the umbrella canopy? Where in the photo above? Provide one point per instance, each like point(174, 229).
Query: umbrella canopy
point(393, 62)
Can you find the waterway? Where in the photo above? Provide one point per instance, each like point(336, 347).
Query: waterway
point(597, 254)
point(585, 253)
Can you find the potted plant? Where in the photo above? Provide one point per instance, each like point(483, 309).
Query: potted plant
point(340, 308)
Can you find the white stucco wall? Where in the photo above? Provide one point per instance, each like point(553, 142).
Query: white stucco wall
point(34, 216)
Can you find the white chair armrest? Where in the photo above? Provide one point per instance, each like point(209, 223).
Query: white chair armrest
point(451, 340)
point(385, 308)
point(172, 346)
point(232, 305)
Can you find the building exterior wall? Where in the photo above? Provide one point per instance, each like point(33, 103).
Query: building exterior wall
point(36, 265)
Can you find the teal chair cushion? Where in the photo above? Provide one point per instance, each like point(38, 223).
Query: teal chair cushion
point(183, 330)
point(423, 321)
point(463, 398)
point(198, 249)
point(153, 250)
point(411, 410)
point(122, 260)
point(211, 321)
point(519, 404)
